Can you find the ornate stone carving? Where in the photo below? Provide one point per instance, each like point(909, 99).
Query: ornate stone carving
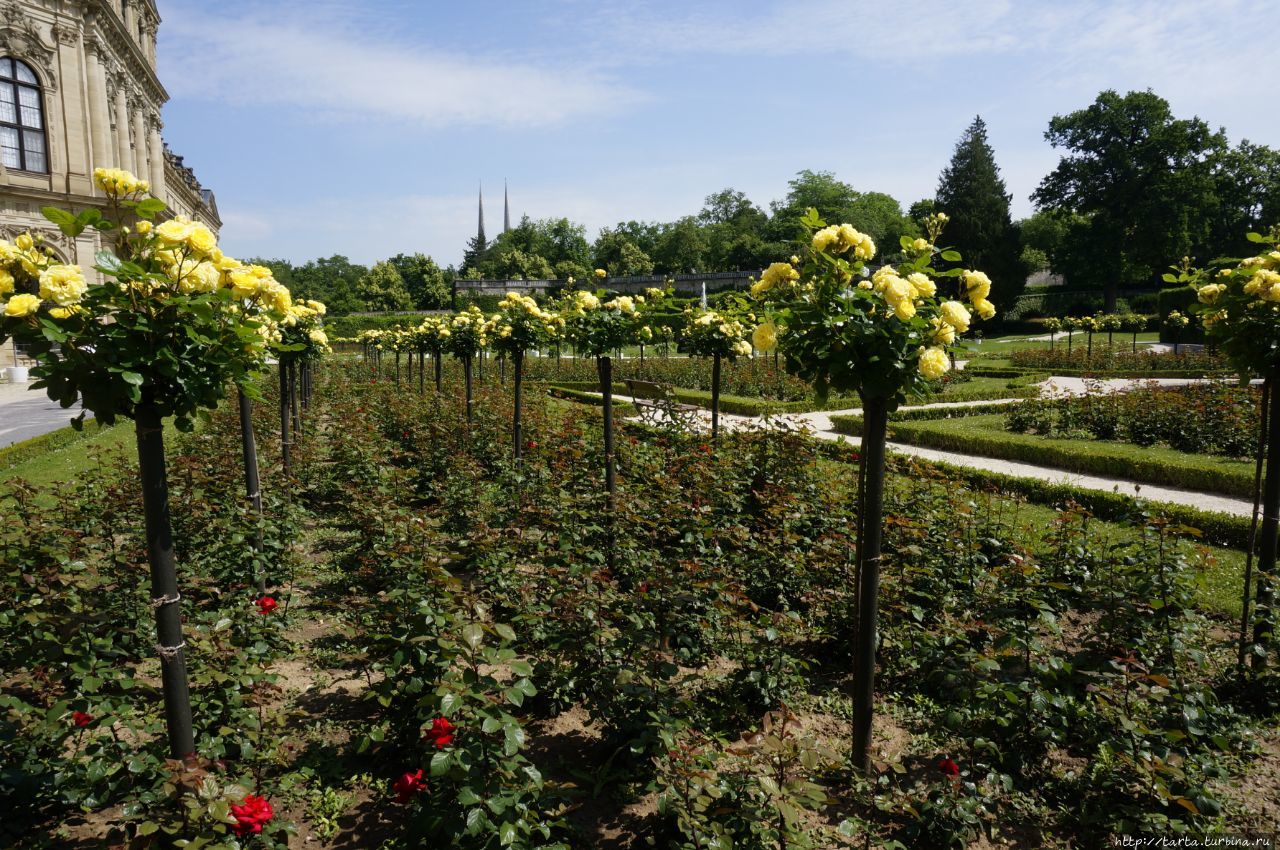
point(66, 33)
point(20, 39)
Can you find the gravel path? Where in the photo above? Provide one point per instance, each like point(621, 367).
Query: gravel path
point(27, 413)
point(818, 424)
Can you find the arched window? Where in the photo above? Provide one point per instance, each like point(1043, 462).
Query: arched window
point(22, 140)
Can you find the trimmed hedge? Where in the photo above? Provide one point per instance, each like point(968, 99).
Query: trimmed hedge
point(986, 436)
point(11, 456)
point(592, 398)
point(852, 424)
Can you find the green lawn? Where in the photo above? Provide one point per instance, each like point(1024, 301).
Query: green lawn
point(59, 456)
point(1019, 342)
point(986, 435)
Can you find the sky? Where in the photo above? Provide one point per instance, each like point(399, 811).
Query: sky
point(365, 128)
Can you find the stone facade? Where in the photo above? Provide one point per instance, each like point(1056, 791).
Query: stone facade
point(93, 63)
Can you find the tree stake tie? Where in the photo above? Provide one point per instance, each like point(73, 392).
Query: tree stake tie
point(169, 653)
point(161, 601)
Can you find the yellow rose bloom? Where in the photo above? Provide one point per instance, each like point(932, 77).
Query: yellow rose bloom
point(1209, 294)
point(921, 245)
point(21, 305)
point(765, 337)
point(897, 291)
point(175, 230)
point(934, 363)
point(63, 285)
point(825, 238)
point(201, 239)
point(904, 309)
point(942, 333)
point(977, 285)
point(922, 284)
point(62, 312)
point(6, 282)
point(985, 308)
point(601, 273)
point(742, 348)
point(955, 315)
point(24, 242)
point(775, 275)
point(144, 227)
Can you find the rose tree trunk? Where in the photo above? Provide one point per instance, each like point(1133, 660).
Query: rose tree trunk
point(875, 416)
point(164, 580)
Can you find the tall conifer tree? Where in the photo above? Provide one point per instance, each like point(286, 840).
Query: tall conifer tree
point(972, 192)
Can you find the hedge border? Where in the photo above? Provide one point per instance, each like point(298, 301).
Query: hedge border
point(21, 452)
point(851, 424)
point(1096, 461)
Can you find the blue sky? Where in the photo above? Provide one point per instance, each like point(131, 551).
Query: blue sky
point(363, 128)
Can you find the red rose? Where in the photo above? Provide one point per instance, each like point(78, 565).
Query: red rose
point(949, 767)
point(80, 719)
point(530, 445)
point(266, 605)
point(404, 435)
point(643, 587)
point(704, 448)
point(251, 815)
point(440, 733)
point(409, 783)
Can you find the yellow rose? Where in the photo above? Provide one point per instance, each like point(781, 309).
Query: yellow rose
point(943, 333)
point(1209, 294)
point(6, 282)
point(824, 238)
point(62, 312)
point(24, 242)
point(63, 285)
point(922, 284)
point(896, 291)
point(955, 315)
point(765, 337)
point(175, 230)
point(977, 285)
point(777, 274)
point(201, 239)
point(934, 363)
point(601, 273)
point(921, 245)
point(904, 309)
point(985, 308)
point(21, 305)
point(144, 227)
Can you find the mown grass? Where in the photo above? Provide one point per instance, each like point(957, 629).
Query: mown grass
point(53, 461)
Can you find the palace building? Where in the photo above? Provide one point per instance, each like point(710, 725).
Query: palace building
point(79, 91)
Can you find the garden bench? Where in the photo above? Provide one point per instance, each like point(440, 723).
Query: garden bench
point(658, 406)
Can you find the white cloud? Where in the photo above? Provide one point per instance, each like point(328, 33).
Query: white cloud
point(339, 64)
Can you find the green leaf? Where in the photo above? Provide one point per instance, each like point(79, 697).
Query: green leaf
point(507, 833)
point(473, 634)
point(107, 262)
point(150, 208)
point(905, 241)
point(448, 703)
point(439, 764)
point(66, 221)
point(148, 827)
point(951, 256)
point(132, 378)
point(1255, 237)
point(467, 797)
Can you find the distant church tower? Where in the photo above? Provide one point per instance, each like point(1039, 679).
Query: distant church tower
point(506, 209)
point(480, 240)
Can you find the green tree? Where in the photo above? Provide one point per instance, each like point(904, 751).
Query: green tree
point(382, 290)
point(619, 256)
point(681, 248)
point(1142, 180)
point(832, 198)
point(880, 216)
point(972, 192)
point(1247, 185)
point(537, 249)
point(736, 233)
point(332, 280)
point(425, 281)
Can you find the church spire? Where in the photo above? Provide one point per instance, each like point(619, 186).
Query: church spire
point(480, 240)
point(506, 209)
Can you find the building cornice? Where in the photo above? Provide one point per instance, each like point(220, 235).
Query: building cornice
point(101, 20)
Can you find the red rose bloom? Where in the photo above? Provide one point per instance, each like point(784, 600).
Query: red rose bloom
point(409, 783)
point(79, 718)
point(530, 445)
point(440, 733)
point(266, 605)
point(251, 815)
point(949, 767)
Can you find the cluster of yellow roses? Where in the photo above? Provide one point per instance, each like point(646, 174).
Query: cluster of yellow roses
point(520, 324)
point(25, 259)
point(119, 183)
point(842, 239)
point(708, 332)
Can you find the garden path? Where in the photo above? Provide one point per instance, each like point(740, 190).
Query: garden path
point(818, 424)
point(27, 413)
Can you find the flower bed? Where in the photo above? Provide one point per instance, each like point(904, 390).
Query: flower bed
point(1117, 359)
point(1215, 418)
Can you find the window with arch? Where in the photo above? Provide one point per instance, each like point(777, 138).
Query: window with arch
point(22, 139)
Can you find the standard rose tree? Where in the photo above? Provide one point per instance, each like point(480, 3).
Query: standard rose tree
point(708, 333)
point(164, 334)
point(883, 335)
point(466, 339)
point(1239, 306)
point(520, 325)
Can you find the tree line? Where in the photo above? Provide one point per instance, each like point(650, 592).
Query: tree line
point(1135, 185)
